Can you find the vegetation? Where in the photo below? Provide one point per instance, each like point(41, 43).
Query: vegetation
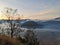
point(30, 38)
point(10, 13)
point(5, 40)
point(14, 30)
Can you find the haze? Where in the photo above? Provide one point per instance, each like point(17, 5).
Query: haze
point(33, 9)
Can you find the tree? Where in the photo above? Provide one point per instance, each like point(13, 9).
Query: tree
point(10, 13)
point(31, 38)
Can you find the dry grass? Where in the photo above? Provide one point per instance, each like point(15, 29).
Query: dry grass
point(5, 40)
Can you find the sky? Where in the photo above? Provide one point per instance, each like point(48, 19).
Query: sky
point(33, 9)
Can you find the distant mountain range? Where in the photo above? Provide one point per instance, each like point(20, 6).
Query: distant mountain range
point(32, 24)
point(52, 24)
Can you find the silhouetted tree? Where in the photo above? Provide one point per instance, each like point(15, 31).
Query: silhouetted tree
point(10, 13)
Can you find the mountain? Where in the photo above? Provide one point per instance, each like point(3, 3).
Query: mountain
point(27, 23)
point(31, 24)
point(52, 24)
point(57, 19)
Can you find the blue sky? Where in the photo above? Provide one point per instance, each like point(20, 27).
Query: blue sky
point(34, 9)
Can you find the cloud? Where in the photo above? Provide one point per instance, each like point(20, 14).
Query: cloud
point(34, 9)
point(43, 15)
point(40, 13)
point(44, 12)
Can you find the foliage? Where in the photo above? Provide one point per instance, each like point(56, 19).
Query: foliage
point(30, 38)
point(10, 13)
point(15, 29)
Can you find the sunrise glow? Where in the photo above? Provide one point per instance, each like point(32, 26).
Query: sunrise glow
point(36, 9)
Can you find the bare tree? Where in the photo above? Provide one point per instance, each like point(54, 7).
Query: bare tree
point(10, 13)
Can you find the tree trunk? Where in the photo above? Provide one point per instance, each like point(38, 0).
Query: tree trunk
point(11, 28)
